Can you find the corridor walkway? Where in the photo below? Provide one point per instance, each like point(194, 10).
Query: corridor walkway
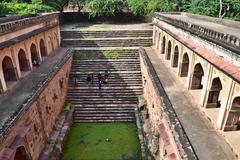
point(207, 143)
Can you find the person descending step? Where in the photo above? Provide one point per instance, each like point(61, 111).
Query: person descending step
point(100, 84)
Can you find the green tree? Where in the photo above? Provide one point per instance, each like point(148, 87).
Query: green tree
point(58, 5)
point(137, 7)
point(79, 3)
point(105, 7)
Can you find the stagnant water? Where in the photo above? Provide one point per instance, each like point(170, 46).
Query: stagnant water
point(102, 141)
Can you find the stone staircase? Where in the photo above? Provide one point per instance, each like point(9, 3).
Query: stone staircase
point(121, 38)
point(118, 98)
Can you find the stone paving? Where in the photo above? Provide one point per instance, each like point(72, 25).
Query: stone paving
point(211, 25)
point(10, 101)
point(206, 141)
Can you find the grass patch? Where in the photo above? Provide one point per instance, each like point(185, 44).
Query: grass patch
point(83, 25)
point(110, 55)
point(66, 105)
point(132, 98)
point(74, 75)
point(91, 26)
point(87, 141)
point(78, 56)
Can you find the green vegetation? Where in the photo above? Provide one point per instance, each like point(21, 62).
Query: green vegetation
point(98, 141)
point(110, 55)
point(66, 105)
point(23, 8)
point(216, 8)
point(74, 75)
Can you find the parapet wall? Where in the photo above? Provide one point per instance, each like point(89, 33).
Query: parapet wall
point(173, 142)
point(19, 27)
point(230, 42)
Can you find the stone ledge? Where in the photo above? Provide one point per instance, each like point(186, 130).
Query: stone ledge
point(227, 41)
point(21, 38)
point(24, 23)
point(178, 133)
point(21, 108)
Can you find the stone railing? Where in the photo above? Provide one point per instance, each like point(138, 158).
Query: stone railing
point(24, 23)
point(15, 17)
point(23, 107)
point(227, 41)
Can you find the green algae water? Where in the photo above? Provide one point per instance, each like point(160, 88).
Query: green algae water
point(102, 141)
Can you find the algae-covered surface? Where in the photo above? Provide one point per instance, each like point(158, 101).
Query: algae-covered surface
point(102, 141)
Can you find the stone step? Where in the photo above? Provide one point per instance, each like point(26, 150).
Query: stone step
point(87, 91)
point(109, 33)
point(106, 87)
point(93, 102)
point(104, 120)
point(104, 105)
point(107, 43)
point(74, 99)
point(113, 117)
point(112, 109)
point(105, 114)
point(107, 61)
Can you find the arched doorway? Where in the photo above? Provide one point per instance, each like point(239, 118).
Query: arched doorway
point(163, 45)
point(34, 53)
point(21, 154)
point(175, 57)
point(43, 48)
point(169, 50)
point(185, 66)
point(8, 70)
point(23, 62)
point(213, 95)
point(197, 77)
point(233, 122)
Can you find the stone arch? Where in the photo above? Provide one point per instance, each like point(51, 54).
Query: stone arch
point(185, 66)
point(21, 154)
point(213, 95)
point(169, 50)
point(8, 70)
point(175, 57)
point(233, 122)
point(163, 45)
point(34, 52)
point(43, 49)
point(198, 73)
point(23, 62)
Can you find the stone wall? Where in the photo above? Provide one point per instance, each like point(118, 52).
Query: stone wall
point(161, 125)
point(36, 120)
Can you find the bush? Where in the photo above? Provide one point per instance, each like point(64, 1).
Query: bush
point(105, 8)
point(137, 7)
point(23, 8)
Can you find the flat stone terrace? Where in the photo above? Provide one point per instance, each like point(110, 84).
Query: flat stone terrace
point(204, 21)
point(105, 26)
point(208, 144)
point(20, 94)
